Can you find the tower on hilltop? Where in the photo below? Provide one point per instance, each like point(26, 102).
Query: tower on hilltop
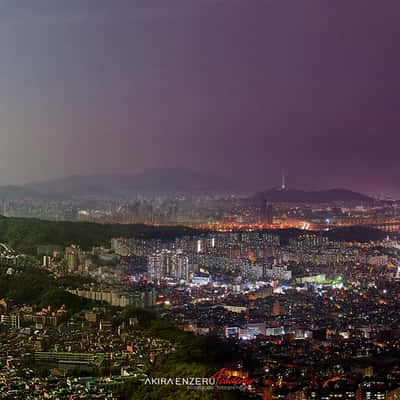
point(283, 181)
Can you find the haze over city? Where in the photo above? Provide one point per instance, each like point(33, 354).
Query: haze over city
point(236, 88)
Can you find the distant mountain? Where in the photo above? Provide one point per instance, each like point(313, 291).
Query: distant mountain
point(319, 196)
point(155, 181)
point(168, 181)
point(12, 192)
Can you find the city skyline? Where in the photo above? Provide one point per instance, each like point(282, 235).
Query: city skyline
point(223, 87)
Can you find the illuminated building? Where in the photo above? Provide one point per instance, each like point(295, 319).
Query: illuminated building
point(266, 213)
point(159, 264)
point(72, 257)
point(180, 266)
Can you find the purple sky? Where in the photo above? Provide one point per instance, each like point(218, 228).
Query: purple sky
point(240, 87)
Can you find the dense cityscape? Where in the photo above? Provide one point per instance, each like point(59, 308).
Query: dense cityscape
point(303, 314)
point(199, 200)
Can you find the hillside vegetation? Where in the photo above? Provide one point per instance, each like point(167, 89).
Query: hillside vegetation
point(25, 234)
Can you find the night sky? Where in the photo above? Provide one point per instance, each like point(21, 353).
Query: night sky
point(240, 88)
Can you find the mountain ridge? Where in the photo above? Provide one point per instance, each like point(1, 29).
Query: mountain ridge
point(155, 181)
point(312, 196)
point(170, 181)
